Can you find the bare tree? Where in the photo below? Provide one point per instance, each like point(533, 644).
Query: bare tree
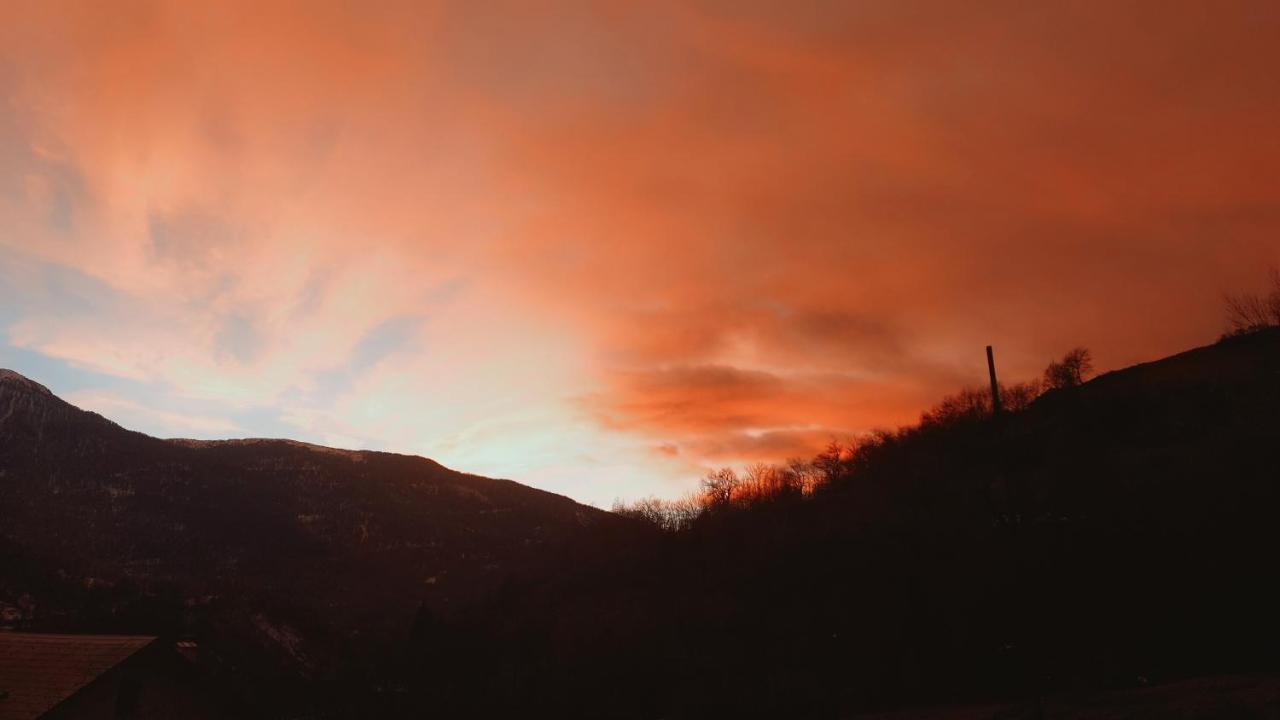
point(763, 481)
point(805, 475)
point(968, 404)
point(669, 515)
point(1247, 312)
point(830, 463)
point(682, 513)
point(1069, 372)
point(1019, 396)
point(720, 486)
point(973, 404)
point(1250, 311)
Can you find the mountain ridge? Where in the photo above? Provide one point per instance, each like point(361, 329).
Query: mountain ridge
point(13, 383)
point(265, 548)
point(11, 378)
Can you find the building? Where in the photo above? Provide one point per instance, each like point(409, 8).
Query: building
point(107, 677)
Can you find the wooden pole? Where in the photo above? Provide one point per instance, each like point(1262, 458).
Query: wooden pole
point(1020, 630)
point(995, 386)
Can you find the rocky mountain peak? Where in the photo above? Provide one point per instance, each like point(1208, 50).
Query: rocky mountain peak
point(11, 381)
point(26, 403)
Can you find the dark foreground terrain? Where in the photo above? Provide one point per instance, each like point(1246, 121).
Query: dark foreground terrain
point(1219, 697)
point(1089, 554)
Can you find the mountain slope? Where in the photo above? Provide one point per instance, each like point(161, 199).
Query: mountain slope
point(1110, 535)
point(293, 545)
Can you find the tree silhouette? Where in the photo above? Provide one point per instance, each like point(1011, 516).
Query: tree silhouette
point(1251, 311)
point(719, 487)
point(1069, 372)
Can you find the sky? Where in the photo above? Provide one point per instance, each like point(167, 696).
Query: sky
point(601, 247)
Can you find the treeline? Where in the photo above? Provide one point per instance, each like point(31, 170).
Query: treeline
point(727, 489)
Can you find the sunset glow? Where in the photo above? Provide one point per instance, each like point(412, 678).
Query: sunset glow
point(600, 248)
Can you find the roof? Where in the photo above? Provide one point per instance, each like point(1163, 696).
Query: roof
point(40, 670)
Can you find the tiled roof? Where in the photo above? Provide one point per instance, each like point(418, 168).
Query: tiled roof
point(40, 670)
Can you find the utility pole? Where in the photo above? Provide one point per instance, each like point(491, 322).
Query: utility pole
point(1021, 631)
point(995, 387)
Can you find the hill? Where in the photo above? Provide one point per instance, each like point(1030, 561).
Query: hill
point(1117, 534)
point(288, 557)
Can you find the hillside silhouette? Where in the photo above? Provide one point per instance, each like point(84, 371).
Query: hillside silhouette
point(1114, 534)
point(295, 564)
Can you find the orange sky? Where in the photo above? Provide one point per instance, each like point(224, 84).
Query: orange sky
point(598, 248)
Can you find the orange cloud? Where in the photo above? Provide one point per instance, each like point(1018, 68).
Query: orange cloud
point(729, 230)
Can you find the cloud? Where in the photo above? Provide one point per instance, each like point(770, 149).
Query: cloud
point(499, 235)
point(726, 414)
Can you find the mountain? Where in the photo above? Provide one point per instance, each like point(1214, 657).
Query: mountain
point(295, 550)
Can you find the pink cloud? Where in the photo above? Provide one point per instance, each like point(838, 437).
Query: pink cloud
point(715, 228)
